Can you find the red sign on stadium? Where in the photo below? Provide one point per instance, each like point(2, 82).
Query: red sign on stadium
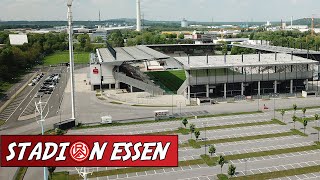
point(95, 71)
point(89, 151)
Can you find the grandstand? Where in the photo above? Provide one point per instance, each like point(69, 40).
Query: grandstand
point(245, 75)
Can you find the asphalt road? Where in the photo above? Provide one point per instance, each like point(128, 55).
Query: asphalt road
point(21, 111)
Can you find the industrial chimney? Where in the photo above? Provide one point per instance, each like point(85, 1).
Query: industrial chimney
point(138, 16)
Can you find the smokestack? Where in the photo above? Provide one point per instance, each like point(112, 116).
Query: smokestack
point(291, 22)
point(99, 16)
point(138, 16)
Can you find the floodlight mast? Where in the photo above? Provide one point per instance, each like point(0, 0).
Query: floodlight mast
point(69, 4)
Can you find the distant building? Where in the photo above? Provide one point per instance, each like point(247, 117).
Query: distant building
point(184, 23)
point(18, 39)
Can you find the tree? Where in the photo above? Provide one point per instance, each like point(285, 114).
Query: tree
point(304, 110)
point(212, 150)
point(282, 113)
point(197, 134)
point(294, 119)
point(221, 162)
point(181, 36)
point(185, 122)
point(51, 170)
point(232, 170)
point(192, 129)
point(295, 107)
point(305, 123)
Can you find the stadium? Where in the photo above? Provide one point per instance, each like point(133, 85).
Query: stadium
point(205, 78)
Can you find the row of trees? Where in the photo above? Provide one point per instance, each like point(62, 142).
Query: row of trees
point(131, 38)
point(212, 149)
point(293, 39)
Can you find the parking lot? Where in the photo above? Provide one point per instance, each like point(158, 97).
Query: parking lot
point(254, 165)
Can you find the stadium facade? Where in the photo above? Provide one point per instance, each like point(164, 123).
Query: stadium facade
point(245, 75)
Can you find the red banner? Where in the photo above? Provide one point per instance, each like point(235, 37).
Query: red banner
point(89, 151)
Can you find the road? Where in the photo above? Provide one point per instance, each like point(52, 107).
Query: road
point(21, 111)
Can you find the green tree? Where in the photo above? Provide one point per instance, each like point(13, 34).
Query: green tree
point(197, 134)
point(212, 149)
point(282, 113)
point(185, 122)
point(304, 110)
point(221, 162)
point(51, 170)
point(192, 129)
point(305, 123)
point(295, 107)
point(181, 36)
point(232, 170)
point(294, 119)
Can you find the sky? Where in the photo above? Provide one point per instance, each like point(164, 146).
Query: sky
point(171, 10)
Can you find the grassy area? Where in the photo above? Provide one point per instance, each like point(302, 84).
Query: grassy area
point(187, 131)
point(272, 152)
point(166, 120)
point(63, 57)
point(21, 172)
point(297, 132)
point(168, 80)
point(299, 108)
point(317, 128)
point(236, 139)
point(222, 177)
point(208, 160)
point(2, 122)
point(279, 174)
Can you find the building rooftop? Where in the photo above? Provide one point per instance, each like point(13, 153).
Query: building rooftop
point(216, 62)
point(278, 49)
point(123, 54)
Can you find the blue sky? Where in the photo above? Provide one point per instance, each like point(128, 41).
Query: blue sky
point(199, 10)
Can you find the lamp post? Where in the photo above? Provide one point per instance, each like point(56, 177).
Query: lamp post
point(69, 4)
point(205, 137)
point(40, 108)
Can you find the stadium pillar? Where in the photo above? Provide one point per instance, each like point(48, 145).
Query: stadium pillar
point(307, 84)
point(259, 88)
point(225, 91)
point(275, 87)
point(291, 86)
point(242, 89)
point(189, 93)
point(208, 91)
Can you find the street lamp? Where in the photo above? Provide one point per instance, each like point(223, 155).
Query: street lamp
point(205, 137)
point(40, 108)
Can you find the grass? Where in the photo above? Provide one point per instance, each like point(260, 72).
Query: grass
point(300, 108)
point(297, 132)
point(279, 174)
point(21, 173)
point(168, 80)
point(2, 122)
point(272, 152)
point(193, 143)
point(222, 177)
point(317, 128)
point(236, 139)
point(63, 57)
point(114, 102)
point(166, 120)
point(185, 131)
point(209, 160)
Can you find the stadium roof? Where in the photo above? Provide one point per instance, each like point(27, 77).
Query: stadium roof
point(18, 39)
point(216, 62)
point(119, 55)
point(278, 49)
